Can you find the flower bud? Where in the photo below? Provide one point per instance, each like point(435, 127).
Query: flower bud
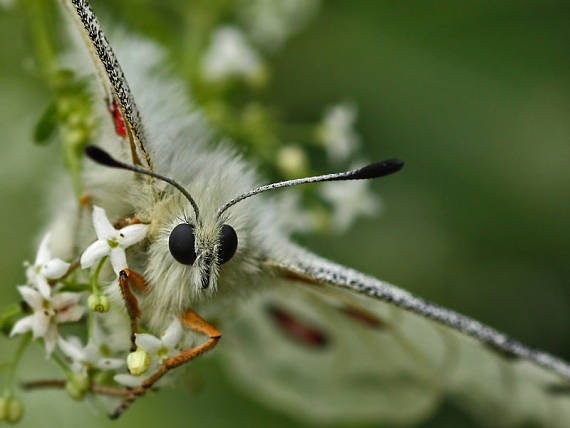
point(138, 362)
point(77, 385)
point(11, 410)
point(292, 161)
point(3, 408)
point(98, 303)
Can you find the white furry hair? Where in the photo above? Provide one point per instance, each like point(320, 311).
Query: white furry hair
point(183, 147)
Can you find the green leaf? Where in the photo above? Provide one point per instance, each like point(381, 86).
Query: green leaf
point(46, 126)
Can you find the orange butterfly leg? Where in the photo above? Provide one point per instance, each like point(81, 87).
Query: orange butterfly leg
point(194, 322)
point(126, 278)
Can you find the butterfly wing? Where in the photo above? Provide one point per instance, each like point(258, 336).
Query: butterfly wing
point(121, 102)
point(332, 344)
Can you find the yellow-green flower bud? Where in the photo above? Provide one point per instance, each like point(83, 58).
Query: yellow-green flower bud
point(77, 385)
point(98, 303)
point(292, 161)
point(75, 136)
point(3, 408)
point(11, 410)
point(138, 362)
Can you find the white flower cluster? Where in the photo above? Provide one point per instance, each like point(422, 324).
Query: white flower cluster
point(270, 23)
point(349, 199)
point(231, 56)
point(51, 305)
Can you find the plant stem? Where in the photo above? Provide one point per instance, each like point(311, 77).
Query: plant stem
point(13, 364)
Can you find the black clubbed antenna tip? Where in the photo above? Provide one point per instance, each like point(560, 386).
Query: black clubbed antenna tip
point(102, 157)
point(375, 170)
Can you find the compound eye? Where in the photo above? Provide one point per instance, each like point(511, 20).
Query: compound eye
point(181, 244)
point(228, 243)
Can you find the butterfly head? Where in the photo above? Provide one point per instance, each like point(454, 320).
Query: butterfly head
point(205, 247)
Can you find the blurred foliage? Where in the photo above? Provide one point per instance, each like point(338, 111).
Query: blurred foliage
point(474, 95)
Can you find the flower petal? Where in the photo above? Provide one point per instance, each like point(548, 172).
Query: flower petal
point(70, 314)
point(31, 296)
point(50, 339)
point(128, 380)
point(103, 227)
point(62, 300)
point(132, 234)
point(41, 322)
point(148, 342)
point(94, 252)
point(118, 259)
point(44, 253)
point(54, 268)
point(43, 286)
point(172, 334)
point(23, 325)
point(110, 363)
point(71, 349)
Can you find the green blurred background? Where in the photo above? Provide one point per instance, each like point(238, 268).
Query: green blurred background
point(474, 95)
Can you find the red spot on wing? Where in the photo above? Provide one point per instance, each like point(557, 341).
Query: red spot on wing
point(294, 277)
point(115, 111)
point(363, 317)
point(355, 313)
point(295, 329)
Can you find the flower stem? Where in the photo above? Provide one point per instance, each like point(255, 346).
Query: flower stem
point(95, 288)
point(13, 364)
point(66, 370)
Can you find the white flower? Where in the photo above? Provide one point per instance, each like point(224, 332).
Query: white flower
point(6, 4)
point(271, 22)
point(48, 313)
point(96, 354)
point(349, 200)
point(45, 267)
point(111, 242)
point(337, 133)
point(128, 380)
point(158, 349)
point(165, 346)
point(230, 55)
point(293, 218)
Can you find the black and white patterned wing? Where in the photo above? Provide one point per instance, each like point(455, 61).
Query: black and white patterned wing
point(332, 344)
point(120, 100)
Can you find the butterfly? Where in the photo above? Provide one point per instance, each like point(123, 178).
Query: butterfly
point(302, 333)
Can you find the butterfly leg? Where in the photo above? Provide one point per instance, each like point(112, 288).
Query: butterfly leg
point(194, 322)
point(126, 220)
point(127, 278)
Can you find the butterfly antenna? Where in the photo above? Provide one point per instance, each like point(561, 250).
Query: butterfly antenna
point(374, 170)
point(103, 158)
